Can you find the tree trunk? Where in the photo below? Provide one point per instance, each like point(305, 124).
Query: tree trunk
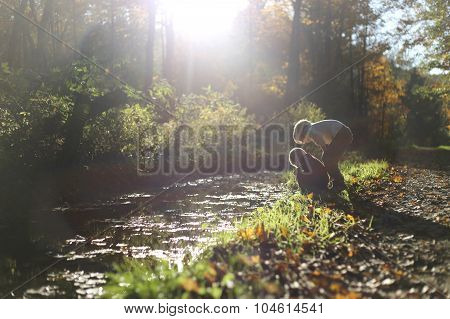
point(13, 54)
point(150, 46)
point(362, 86)
point(327, 60)
point(293, 73)
point(352, 82)
point(383, 111)
point(42, 38)
point(112, 18)
point(168, 64)
point(84, 110)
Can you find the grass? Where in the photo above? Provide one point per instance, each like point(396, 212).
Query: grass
point(436, 148)
point(246, 263)
point(357, 172)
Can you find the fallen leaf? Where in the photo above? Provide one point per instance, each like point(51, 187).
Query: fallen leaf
point(335, 287)
point(348, 295)
point(284, 231)
point(260, 232)
point(350, 218)
point(271, 288)
point(397, 179)
point(305, 219)
point(246, 234)
point(211, 275)
point(351, 250)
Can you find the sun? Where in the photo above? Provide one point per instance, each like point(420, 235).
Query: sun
point(203, 19)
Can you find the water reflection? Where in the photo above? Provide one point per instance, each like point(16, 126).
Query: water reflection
point(171, 227)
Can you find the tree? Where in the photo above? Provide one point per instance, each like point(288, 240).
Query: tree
point(427, 121)
point(384, 93)
point(436, 34)
point(169, 52)
point(150, 45)
point(293, 71)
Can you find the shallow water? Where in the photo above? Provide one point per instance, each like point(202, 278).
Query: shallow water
point(172, 226)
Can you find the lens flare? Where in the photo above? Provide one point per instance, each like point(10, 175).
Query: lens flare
point(203, 19)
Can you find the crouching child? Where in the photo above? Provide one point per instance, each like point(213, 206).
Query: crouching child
point(333, 137)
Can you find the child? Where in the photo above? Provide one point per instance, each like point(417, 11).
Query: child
point(333, 137)
point(311, 173)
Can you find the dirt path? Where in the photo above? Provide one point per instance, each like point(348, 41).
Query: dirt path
point(411, 218)
point(398, 248)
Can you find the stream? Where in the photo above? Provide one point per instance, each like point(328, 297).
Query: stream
point(175, 224)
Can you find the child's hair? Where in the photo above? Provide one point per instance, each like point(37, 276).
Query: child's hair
point(297, 158)
point(293, 160)
point(300, 130)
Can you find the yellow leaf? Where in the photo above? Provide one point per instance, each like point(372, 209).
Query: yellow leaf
point(397, 179)
point(309, 233)
point(260, 232)
point(351, 251)
point(189, 284)
point(316, 273)
point(255, 259)
point(210, 274)
point(249, 260)
point(284, 231)
point(349, 295)
point(247, 233)
point(272, 288)
point(350, 218)
point(335, 287)
point(310, 196)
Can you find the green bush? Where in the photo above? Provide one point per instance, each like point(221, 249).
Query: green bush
point(33, 129)
point(427, 122)
point(210, 121)
point(115, 131)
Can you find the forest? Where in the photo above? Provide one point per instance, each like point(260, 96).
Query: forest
point(90, 90)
